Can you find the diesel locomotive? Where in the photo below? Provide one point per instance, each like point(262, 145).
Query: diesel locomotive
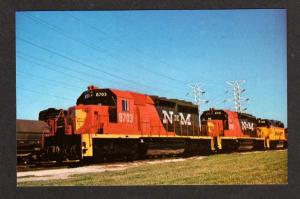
point(240, 131)
point(111, 122)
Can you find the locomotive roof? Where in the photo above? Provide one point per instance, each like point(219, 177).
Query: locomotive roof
point(175, 101)
point(272, 122)
point(229, 111)
point(32, 126)
point(142, 98)
point(117, 92)
point(131, 94)
point(120, 93)
point(246, 114)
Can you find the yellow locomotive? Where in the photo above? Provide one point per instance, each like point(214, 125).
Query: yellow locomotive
point(273, 132)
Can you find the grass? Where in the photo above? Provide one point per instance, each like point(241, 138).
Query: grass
point(268, 167)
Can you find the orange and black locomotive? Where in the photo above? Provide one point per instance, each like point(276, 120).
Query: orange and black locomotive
point(111, 122)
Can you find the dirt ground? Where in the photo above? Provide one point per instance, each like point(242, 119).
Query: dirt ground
point(64, 173)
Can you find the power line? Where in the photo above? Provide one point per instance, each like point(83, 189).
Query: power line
point(60, 84)
point(67, 68)
point(42, 93)
point(42, 64)
point(60, 31)
point(58, 71)
point(217, 100)
point(237, 91)
point(133, 48)
point(86, 65)
point(87, 24)
point(213, 87)
point(198, 92)
point(56, 29)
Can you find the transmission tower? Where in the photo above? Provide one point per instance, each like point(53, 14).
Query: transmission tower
point(198, 92)
point(237, 91)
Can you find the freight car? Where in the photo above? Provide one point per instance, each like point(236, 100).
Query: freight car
point(30, 139)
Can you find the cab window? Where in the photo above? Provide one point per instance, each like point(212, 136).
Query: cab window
point(125, 105)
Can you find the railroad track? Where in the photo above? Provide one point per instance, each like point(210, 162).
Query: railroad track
point(72, 164)
point(54, 173)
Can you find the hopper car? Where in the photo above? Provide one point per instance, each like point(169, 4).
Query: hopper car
point(30, 140)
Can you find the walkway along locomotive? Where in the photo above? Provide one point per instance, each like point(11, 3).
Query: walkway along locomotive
point(110, 122)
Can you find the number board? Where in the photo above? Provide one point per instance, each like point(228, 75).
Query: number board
point(125, 117)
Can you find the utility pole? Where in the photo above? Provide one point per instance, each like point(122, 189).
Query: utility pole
point(237, 91)
point(198, 92)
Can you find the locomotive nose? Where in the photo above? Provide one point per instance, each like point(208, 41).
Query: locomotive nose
point(80, 117)
point(77, 117)
point(210, 127)
point(214, 127)
point(88, 118)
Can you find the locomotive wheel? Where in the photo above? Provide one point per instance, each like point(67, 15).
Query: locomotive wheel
point(259, 145)
point(74, 153)
point(59, 158)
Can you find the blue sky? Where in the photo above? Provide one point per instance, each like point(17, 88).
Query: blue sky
point(58, 54)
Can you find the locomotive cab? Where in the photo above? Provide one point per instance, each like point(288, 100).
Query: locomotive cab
point(102, 114)
point(214, 122)
point(103, 111)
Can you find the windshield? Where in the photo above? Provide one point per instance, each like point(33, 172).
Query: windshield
point(97, 97)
